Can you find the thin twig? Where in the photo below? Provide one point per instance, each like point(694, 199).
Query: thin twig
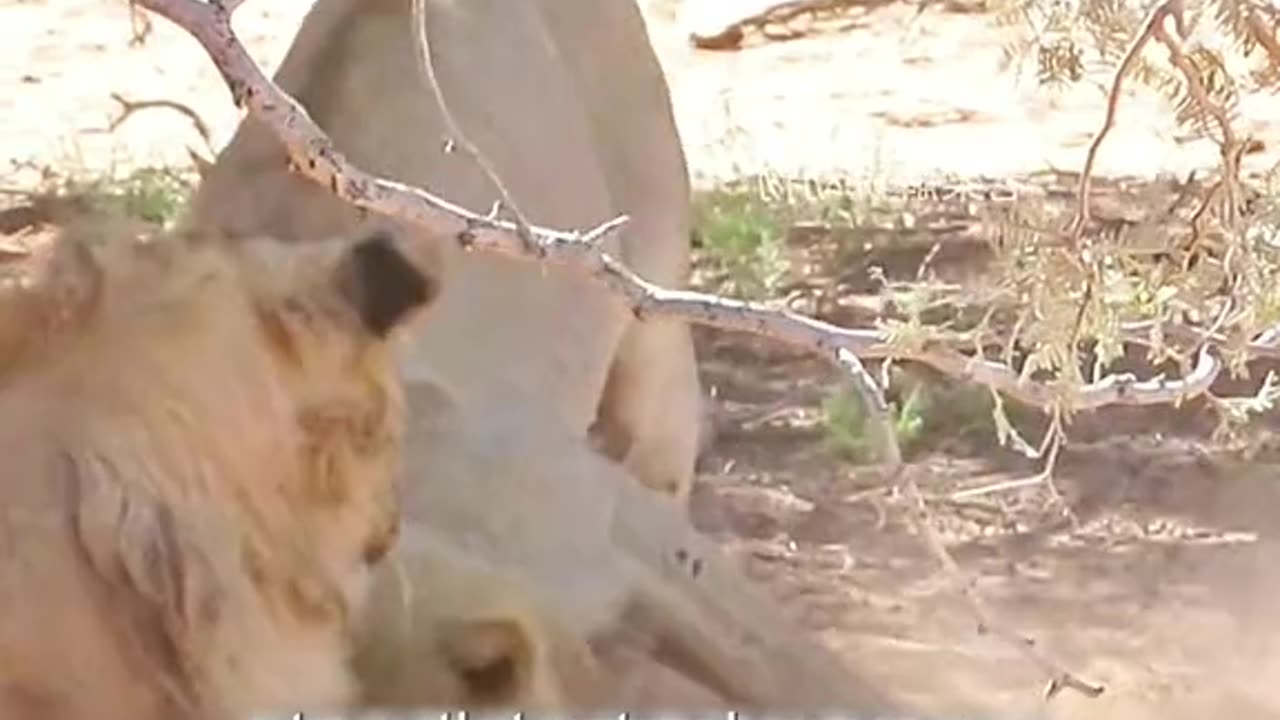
point(1232, 148)
point(1262, 34)
point(1089, 263)
point(422, 47)
point(730, 36)
point(1059, 677)
point(139, 25)
point(996, 487)
point(1148, 29)
point(890, 451)
point(129, 107)
point(922, 519)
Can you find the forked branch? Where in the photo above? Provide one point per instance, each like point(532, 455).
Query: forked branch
point(313, 155)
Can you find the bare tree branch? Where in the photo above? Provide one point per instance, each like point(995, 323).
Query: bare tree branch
point(129, 107)
point(139, 24)
point(1231, 146)
point(772, 22)
point(314, 156)
point(1146, 31)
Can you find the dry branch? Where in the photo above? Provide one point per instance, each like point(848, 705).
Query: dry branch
point(140, 25)
point(925, 527)
point(730, 35)
point(313, 155)
point(1146, 31)
point(129, 107)
point(1231, 146)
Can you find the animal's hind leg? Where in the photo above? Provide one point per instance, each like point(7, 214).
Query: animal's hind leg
point(650, 416)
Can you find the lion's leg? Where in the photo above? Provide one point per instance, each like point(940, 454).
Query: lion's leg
point(650, 415)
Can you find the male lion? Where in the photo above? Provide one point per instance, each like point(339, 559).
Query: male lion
point(199, 446)
point(566, 100)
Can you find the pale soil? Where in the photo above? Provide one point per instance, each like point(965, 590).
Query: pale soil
point(1163, 590)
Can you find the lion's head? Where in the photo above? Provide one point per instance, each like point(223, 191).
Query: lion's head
point(446, 629)
point(212, 431)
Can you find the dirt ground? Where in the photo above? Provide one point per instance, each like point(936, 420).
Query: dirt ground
point(1161, 584)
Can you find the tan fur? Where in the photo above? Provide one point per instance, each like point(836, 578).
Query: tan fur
point(668, 618)
point(199, 448)
point(643, 683)
point(567, 101)
point(451, 631)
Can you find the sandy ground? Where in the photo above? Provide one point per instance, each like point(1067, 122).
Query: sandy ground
point(1162, 587)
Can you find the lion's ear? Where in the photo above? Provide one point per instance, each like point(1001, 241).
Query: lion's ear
point(492, 657)
point(382, 283)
